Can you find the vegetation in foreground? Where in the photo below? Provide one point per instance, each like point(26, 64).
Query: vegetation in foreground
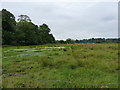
point(76, 65)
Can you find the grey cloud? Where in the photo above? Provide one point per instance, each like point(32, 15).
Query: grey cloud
point(108, 18)
point(71, 20)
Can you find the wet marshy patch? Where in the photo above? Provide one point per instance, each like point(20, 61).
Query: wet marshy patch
point(35, 49)
point(30, 51)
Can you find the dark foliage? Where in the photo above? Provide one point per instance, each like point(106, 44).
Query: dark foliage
point(91, 40)
point(99, 40)
point(23, 32)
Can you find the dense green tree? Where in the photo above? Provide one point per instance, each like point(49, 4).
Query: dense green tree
point(51, 38)
point(23, 32)
point(29, 34)
point(44, 28)
point(26, 31)
point(69, 40)
point(8, 27)
point(44, 34)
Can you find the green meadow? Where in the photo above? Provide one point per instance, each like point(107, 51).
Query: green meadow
point(60, 66)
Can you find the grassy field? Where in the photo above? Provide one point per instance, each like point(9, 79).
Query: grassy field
point(66, 66)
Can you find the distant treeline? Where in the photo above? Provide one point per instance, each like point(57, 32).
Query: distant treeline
point(23, 31)
point(91, 40)
point(99, 40)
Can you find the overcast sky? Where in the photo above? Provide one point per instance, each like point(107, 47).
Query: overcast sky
point(76, 20)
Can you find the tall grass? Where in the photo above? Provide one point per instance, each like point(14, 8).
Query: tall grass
point(75, 66)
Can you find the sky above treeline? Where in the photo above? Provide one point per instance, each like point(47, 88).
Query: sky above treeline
point(76, 20)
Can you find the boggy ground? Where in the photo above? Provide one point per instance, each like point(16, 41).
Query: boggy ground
point(66, 66)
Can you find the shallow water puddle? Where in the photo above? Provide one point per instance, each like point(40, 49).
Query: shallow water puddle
point(31, 51)
point(42, 48)
point(29, 54)
point(35, 49)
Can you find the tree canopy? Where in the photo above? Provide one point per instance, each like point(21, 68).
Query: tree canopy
point(24, 32)
point(8, 27)
point(24, 18)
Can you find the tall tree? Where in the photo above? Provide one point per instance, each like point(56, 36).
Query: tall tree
point(45, 37)
point(26, 31)
point(8, 27)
